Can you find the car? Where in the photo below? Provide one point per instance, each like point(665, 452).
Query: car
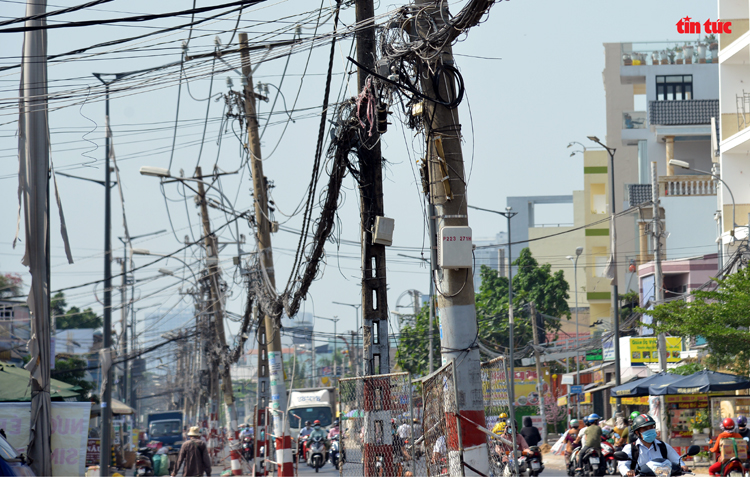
point(11, 462)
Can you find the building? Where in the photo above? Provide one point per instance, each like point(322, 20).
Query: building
point(734, 139)
point(659, 105)
point(15, 330)
point(490, 252)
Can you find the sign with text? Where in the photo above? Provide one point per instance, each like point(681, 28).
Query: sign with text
point(70, 429)
point(643, 350)
point(594, 355)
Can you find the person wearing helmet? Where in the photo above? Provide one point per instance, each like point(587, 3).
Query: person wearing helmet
point(305, 431)
point(501, 423)
point(647, 448)
point(590, 437)
point(727, 432)
point(742, 428)
point(631, 435)
point(503, 449)
point(571, 435)
point(318, 431)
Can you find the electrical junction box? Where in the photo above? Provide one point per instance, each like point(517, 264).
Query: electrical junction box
point(382, 234)
point(455, 247)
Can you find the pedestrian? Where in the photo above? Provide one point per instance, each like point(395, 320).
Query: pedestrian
point(194, 454)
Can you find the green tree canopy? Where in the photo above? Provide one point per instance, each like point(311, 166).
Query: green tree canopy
point(532, 283)
point(414, 345)
point(70, 369)
point(720, 316)
point(73, 318)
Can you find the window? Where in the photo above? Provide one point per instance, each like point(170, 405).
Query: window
point(165, 428)
point(674, 87)
point(598, 199)
point(6, 313)
point(298, 416)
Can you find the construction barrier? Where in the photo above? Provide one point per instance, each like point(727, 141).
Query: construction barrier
point(496, 403)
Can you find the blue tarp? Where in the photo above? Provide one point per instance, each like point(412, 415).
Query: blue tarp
point(703, 382)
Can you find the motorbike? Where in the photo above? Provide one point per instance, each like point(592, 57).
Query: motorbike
point(662, 467)
point(247, 448)
point(608, 454)
point(534, 461)
point(144, 464)
point(333, 454)
point(316, 451)
point(301, 448)
point(591, 463)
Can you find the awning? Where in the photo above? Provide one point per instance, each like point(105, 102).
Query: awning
point(118, 407)
point(702, 382)
point(643, 387)
point(14, 385)
point(601, 387)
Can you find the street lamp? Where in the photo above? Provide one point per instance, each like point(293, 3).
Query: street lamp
point(613, 263)
point(335, 320)
point(143, 251)
point(570, 144)
point(686, 165)
point(511, 391)
point(356, 324)
point(432, 308)
point(579, 251)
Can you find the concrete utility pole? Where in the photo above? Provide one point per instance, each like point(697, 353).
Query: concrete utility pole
point(106, 400)
point(215, 310)
point(455, 286)
point(263, 395)
point(539, 375)
point(265, 251)
point(374, 294)
point(661, 340)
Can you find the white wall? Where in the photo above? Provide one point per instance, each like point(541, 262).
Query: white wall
point(690, 223)
point(733, 9)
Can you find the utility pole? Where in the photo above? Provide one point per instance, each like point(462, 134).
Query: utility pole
point(215, 310)
point(539, 375)
point(661, 340)
point(374, 294)
point(265, 252)
point(455, 286)
point(263, 395)
point(433, 267)
point(106, 400)
point(124, 325)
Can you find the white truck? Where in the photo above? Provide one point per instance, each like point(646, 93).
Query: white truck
point(311, 404)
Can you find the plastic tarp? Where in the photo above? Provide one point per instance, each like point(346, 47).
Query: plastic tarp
point(702, 382)
point(14, 385)
point(642, 387)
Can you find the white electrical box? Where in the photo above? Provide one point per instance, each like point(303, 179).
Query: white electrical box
point(455, 247)
point(383, 232)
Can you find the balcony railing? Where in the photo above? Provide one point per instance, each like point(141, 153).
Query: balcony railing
point(686, 185)
point(669, 53)
point(634, 120)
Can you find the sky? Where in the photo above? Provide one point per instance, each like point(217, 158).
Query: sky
point(533, 81)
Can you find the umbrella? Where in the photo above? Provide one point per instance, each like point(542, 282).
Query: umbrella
point(703, 382)
point(14, 385)
point(641, 387)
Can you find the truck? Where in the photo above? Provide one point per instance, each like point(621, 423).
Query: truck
point(165, 427)
point(311, 404)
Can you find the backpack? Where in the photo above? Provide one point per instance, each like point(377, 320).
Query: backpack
point(635, 453)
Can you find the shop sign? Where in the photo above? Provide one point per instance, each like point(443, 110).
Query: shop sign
point(644, 350)
point(594, 355)
point(687, 402)
point(631, 401)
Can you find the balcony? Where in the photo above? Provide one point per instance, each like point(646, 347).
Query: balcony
point(691, 185)
point(669, 53)
point(634, 120)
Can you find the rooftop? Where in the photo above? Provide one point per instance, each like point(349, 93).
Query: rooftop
point(683, 113)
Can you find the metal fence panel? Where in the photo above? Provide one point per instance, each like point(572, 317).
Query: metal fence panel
point(495, 391)
point(372, 410)
point(441, 426)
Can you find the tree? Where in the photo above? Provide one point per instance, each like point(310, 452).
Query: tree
point(74, 318)
point(11, 284)
point(719, 315)
point(533, 282)
point(688, 369)
point(69, 369)
point(413, 353)
point(295, 368)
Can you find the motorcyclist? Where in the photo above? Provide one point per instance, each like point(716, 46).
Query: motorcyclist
point(742, 428)
point(570, 440)
point(334, 430)
point(590, 437)
point(303, 433)
point(631, 435)
point(727, 427)
point(647, 448)
point(529, 432)
point(318, 432)
point(499, 427)
point(521, 444)
point(621, 428)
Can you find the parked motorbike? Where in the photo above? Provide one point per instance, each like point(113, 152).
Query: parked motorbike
point(664, 467)
point(144, 463)
point(316, 450)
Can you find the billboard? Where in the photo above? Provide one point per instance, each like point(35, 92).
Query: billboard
point(643, 350)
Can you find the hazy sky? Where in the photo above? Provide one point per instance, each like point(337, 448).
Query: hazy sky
point(519, 114)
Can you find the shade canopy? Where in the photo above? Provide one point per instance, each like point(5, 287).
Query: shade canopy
point(642, 387)
point(14, 385)
point(118, 407)
point(702, 382)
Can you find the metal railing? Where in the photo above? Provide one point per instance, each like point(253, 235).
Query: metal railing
point(668, 53)
point(694, 185)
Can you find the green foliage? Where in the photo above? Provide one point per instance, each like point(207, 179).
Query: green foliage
point(295, 368)
point(533, 282)
point(720, 316)
point(414, 346)
point(74, 318)
point(11, 284)
point(688, 369)
point(628, 302)
point(69, 369)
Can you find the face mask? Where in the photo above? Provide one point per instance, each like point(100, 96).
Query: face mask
point(649, 435)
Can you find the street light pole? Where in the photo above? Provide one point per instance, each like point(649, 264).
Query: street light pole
point(613, 247)
point(579, 251)
point(335, 320)
point(430, 263)
point(511, 323)
point(355, 345)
